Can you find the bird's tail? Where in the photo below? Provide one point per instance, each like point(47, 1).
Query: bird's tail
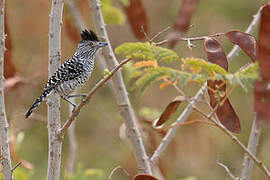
point(38, 101)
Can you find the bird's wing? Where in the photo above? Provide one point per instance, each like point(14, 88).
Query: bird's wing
point(69, 70)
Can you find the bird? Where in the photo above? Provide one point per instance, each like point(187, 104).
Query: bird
point(74, 72)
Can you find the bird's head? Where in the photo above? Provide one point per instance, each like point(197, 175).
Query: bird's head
point(90, 43)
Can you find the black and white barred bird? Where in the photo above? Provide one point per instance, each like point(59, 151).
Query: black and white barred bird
point(74, 72)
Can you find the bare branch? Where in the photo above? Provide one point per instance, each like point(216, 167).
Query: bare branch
point(189, 39)
point(227, 170)
point(72, 154)
point(17, 165)
point(76, 15)
point(252, 146)
point(88, 97)
point(121, 93)
point(54, 122)
point(159, 33)
point(5, 152)
point(259, 163)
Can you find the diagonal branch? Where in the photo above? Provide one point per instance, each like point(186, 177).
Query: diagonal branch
point(88, 97)
point(121, 93)
point(259, 163)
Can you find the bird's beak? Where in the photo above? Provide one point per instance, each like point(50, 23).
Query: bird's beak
point(102, 44)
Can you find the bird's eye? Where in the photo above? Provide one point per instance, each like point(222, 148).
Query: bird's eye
point(90, 43)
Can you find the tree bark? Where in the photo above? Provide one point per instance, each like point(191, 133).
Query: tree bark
point(54, 123)
point(5, 152)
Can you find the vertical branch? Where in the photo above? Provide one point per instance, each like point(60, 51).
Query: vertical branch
point(75, 14)
point(5, 153)
point(120, 92)
point(54, 123)
point(252, 147)
point(70, 165)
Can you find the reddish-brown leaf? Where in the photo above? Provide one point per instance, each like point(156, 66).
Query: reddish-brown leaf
point(184, 15)
point(71, 31)
point(225, 112)
point(245, 41)
point(144, 177)
point(137, 18)
point(215, 52)
point(182, 21)
point(9, 68)
point(170, 110)
point(262, 86)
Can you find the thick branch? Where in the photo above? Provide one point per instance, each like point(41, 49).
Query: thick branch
point(88, 97)
point(121, 93)
point(252, 146)
point(187, 111)
point(5, 153)
point(54, 123)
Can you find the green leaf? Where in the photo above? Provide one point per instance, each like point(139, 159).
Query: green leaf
point(112, 14)
point(106, 72)
point(125, 2)
point(146, 51)
point(149, 113)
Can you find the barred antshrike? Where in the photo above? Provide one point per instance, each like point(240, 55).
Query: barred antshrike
point(74, 72)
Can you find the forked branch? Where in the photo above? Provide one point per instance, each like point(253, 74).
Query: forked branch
point(88, 97)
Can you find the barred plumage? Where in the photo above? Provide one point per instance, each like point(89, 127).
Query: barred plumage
point(74, 72)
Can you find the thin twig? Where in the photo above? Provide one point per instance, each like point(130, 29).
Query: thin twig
point(88, 97)
point(17, 165)
point(121, 93)
point(118, 168)
point(227, 170)
point(5, 152)
point(191, 38)
point(187, 111)
point(159, 33)
point(259, 163)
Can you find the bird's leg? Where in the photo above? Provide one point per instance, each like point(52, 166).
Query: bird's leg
point(83, 96)
point(74, 105)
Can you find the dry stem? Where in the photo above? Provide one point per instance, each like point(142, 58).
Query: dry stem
point(121, 93)
point(54, 123)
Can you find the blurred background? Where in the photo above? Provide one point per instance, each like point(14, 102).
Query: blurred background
point(194, 150)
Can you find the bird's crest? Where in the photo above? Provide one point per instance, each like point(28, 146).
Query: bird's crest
point(89, 35)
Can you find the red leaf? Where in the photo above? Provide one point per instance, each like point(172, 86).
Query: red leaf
point(137, 18)
point(183, 18)
point(9, 68)
point(262, 87)
point(170, 110)
point(225, 112)
point(144, 177)
point(245, 41)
